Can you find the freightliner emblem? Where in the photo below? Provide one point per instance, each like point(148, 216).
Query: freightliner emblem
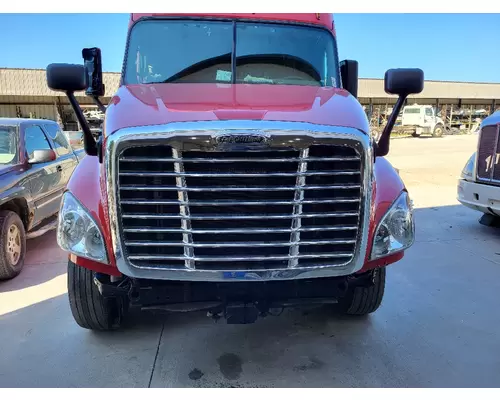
point(241, 140)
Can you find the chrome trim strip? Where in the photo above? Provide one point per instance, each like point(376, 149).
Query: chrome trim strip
point(180, 134)
point(241, 244)
point(246, 258)
point(221, 175)
point(243, 231)
point(240, 188)
point(187, 236)
point(248, 216)
point(239, 203)
point(297, 209)
point(230, 160)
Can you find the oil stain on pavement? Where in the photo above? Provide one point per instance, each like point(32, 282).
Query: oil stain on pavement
point(230, 366)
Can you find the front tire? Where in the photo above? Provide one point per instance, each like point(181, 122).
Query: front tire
point(12, 245)
point(438, 130)
point(89, 308)
point(361, 300)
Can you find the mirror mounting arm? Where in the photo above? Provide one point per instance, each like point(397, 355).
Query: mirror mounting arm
point(89, 142)
point(99, 104)
point(382, 148)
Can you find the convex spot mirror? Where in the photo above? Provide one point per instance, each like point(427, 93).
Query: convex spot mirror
point(66, 77)
point(93, 71)
point(404, 81)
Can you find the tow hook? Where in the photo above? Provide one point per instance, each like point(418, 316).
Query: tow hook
point(365, 280)
point(110, 289)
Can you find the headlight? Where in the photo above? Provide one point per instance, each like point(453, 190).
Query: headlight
point(78, 233)
point(469, 168)
point(396, 230)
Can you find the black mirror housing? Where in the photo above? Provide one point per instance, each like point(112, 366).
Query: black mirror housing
point(66, 77)
point(93, 71)
point(349, 76)
point(70, 78)
point(404, 81)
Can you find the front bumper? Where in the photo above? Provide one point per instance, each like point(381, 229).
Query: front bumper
point(479, 197)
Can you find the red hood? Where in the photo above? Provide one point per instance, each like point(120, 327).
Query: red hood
point(138, 105)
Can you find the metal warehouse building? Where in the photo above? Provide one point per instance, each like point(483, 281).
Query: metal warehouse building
point(24, 93)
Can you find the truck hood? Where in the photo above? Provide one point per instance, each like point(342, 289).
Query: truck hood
point(157, 104)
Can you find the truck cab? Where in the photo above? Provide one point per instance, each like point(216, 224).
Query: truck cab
point(235, 173)
point(422, 119)
point(479, 183)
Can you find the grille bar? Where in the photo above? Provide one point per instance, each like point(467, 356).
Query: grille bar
point(238, 188)
point(232, 160)
point(241, 244)
point(249, 230)
point(239, 175)
point(249, 258)
point(223, 203)
point(247, 216)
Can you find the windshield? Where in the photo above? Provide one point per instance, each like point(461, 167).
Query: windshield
point(8, 144)
point(174, 51)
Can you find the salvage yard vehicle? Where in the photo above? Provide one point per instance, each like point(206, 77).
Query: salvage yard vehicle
point(235, 173)
point(36, 162)
point(421, 120)
point(479, 183)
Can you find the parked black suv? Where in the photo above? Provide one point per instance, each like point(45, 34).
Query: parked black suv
point(36, 162)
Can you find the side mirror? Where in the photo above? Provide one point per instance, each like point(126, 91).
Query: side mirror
point(42, 156)
point(93, 71)
point(66, 77)
point(402, 82)
point(349, 76)
point(70, 78)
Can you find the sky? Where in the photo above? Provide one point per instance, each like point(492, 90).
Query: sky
point(450, 47)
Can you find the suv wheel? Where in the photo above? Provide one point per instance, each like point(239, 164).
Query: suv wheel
point(361, 300)
point(12, 245)
point(89, 308)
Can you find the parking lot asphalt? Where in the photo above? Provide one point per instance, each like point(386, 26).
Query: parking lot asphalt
point(438, 326)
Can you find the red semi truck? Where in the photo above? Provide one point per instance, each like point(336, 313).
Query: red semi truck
point(235, 173)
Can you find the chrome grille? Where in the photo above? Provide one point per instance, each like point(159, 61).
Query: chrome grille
point(235, 210)
point(488, 155)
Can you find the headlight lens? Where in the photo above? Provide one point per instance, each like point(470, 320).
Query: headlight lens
point(469, 168)
point(396, 231)
point(78, 233)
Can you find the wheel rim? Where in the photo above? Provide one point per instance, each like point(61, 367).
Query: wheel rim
point(14, 244)
point(438, 132)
